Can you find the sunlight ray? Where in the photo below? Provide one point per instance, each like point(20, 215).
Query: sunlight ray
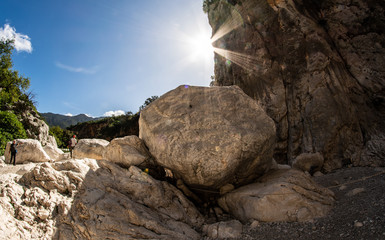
point(247, 62)
point(234, 21)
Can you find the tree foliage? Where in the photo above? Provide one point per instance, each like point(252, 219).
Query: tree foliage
point(14, 98)
point(62, 136)
point(206, 5)
point(147, 102)
point(12, 85)
point(108, 128)
point(10, 128)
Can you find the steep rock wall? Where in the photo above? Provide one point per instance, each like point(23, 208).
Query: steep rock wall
point(317, 67)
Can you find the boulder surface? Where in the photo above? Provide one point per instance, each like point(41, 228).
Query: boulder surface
point(127, 151)
point(89, 199)
point(54, 152)
point(316, 67)
point(28, 150)
point(279, 196)
point(209, 136)
point(129, 204)
point(90, 148)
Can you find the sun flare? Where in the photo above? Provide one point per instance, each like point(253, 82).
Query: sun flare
point(200, 47)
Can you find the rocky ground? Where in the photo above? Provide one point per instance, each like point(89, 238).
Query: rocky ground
point(359, 211)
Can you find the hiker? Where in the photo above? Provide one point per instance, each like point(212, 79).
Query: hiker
point(13, 152)
point(71, 144)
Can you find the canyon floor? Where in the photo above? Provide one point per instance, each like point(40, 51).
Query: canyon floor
point(358, 213)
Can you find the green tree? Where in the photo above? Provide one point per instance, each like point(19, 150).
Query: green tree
point(14, 98)
point(147, 102)
point(62, 136)
point(206, 5)
point(10, 128)
point(12, 85)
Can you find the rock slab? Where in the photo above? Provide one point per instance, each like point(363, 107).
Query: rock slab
point(127, 151)
point(209, 136)
point(128, 204)
point(90, 148)
point(89, 199)
point(279, 196)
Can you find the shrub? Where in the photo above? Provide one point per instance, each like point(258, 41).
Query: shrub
point(10, 128)
point(61, 136)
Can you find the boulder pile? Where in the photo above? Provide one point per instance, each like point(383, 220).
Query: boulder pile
point(89, 199)
point(216, 139)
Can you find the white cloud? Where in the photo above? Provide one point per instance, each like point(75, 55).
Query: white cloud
point(76, 69)
point(114, 113)
point(21, 42)
point(68, 114)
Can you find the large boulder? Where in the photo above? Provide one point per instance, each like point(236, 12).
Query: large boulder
point(209, 136)
point(54, 152)
point(127, 151)
point(309, 162)
point(280, 195)
point(129, 204)
point(28, 150)
point(90, 148)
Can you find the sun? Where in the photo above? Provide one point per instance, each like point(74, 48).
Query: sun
point(200, 47)
point(201, 44)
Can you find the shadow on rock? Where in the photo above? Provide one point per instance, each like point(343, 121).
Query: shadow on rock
point(117, 203)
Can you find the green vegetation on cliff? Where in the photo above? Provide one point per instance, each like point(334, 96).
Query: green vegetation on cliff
point(111, 127)
point(10, 128)
point(206, 5)
point(14, 98)
point(108, 128)
point(62, 136)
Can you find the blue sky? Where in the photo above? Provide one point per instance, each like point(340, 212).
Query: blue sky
point(99, 56)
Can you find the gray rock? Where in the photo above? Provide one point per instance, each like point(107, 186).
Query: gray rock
point(28, 150)
point(54, 152)
point(37, 128)
point(318, 174)
point(355, 192)
point(89, 199)
point(309, 162)
point(224, 230)
point(317, 70)
point(133, 204)
point(280, 195)
point(90, 148)
point(209, 136)
point(127, 151)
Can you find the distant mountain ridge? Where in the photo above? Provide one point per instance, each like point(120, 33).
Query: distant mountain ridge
point(64, 121)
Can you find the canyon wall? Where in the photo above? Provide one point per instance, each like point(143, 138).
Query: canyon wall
point(316, 67)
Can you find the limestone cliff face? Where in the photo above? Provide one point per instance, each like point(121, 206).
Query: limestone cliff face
point(33, 124)
point(316, 66)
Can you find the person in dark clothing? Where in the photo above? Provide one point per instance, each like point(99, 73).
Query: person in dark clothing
point(13, 152)
point(71, 144)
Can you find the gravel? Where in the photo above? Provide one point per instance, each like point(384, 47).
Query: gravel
point(358, 213)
